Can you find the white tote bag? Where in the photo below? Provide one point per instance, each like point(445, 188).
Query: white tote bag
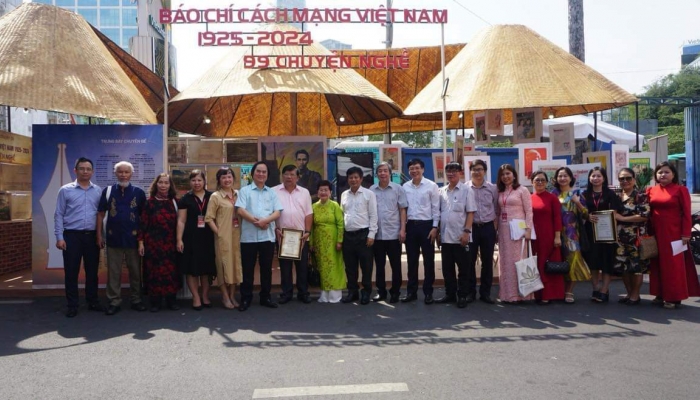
point(528, 276)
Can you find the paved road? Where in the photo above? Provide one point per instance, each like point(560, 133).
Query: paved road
point(414, 351)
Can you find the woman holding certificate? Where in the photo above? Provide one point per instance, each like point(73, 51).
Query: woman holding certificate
point(572, 212)
point(514, 202)
point(547, 219)
point(601, 203)
point(223, 221)
point(631, 223)
point(327, 244)
point(195, 240)
point(672, 277)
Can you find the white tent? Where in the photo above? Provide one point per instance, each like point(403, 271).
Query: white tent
point(583, 127)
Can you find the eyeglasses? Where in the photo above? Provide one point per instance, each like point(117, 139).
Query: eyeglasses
point(539, 180)
point(625, 178)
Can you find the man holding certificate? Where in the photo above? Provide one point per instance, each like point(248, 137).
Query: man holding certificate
point(292, 232)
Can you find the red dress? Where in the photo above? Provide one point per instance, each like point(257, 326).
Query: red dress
point(158, 227)
point(673, 278)
point(546, 212)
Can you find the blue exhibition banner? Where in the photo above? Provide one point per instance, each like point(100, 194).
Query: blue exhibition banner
point(55, 149)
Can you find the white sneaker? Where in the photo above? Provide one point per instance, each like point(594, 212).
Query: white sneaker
point(335, 296)
point(324, 297)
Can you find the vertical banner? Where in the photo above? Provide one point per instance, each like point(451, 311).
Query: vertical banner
point(54, 152)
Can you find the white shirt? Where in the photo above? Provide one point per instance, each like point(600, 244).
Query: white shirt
point(389, 201)
point(455, 205)
point(359, 210)
point(423, 201)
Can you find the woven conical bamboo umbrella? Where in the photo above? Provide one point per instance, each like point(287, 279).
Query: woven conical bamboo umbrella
point(50, 59)
point(510, 66)
point(240, 102)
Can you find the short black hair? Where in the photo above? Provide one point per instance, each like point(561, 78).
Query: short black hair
point(255, 166)
point(478, 162)
point(453, 166)
point(670, 166)
point(304, 152)
point(82, 160)
point(568, 171)
point(290, 167)
point(221, 172)
point(354, 170)
point(325, 183)
point(415, 161)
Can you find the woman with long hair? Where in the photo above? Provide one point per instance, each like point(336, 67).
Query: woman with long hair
point(226, 225)
point(601, 256)
point(195, 240)
point(631, 219)
point(514, 202)
point(546, 213)
point(672, 278)
point(572, 208)
point(156, 237)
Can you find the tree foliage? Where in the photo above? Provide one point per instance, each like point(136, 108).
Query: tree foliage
point(685, 83)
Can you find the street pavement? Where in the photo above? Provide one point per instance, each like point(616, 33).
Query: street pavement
point(377, 351)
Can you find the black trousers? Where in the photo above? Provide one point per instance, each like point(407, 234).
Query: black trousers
point(392, 249)
point(355, 251)
point(250, 253)
point(484, 239)
point(80, 245)
point(417, 241)
point(456, 254)
point(302, 267)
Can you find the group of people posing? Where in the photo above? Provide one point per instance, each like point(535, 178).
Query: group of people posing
point(224, 234)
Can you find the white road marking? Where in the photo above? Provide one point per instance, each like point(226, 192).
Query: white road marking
point(329, 390)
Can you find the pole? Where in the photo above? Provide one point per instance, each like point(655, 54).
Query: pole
point(389, 42)
point(595, 130)
point(444, 100)
point(9, 120)
point(636, 129)
point(165, 97)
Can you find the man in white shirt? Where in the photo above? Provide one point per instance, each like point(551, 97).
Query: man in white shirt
point(421, 229)
point(391, 210)
point(457, 207)
point(297, 214)
point(360, 215)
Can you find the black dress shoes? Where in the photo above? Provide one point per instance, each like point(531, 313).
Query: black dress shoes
point(394, 298)
point(428, 299)
point(305, 298)
point(139, 307)
point(462, 302)
point(283, 299)
point(470, 298)
point(379, 297)
point(72, 312)
point(244, 306)
point(487, 300)
point(95, 307)
point(364, 298)
point(268, 303)
point(409, 297)
point(351, 296)
point(450, 298)
point(111, 310)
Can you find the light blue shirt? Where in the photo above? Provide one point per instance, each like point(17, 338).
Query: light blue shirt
point(389, 200)
point(455, 205)
point(76, 208)
point(260, 203)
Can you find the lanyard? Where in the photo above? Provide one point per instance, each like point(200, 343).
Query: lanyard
point(595, 203)
point(200, 204)
point(505, 198)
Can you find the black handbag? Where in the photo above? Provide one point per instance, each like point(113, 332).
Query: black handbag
point(557, 267)
point(584, 241)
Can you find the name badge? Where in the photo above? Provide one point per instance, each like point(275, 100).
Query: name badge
point(200, 221)
point(504, 217)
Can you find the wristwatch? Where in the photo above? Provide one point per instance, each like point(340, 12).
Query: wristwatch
point(467, 230)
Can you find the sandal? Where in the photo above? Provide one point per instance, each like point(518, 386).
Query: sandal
point(658, 301)
point(670, 306)
point(595, 295)
point(543, 302)
point(569, 298)
point(623, 300)
point(228, 305)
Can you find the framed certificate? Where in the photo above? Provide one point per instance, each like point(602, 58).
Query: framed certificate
point(291, 245)
point(605, 230)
